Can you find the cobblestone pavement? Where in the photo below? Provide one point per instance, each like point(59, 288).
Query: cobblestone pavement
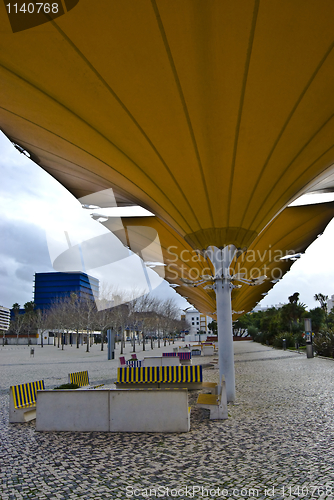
point(276, 444)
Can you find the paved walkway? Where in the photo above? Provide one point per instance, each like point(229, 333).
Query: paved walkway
point(276, 444)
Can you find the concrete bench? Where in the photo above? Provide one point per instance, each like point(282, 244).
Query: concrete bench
point(82, 380)
point(216, 403)
point(22, 401)
point(212, 387)
point(208, 350)
point(196, 350)
point(113, 410)
point(190, 377)
point(160, 361)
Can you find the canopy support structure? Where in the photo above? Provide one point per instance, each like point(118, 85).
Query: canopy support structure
point(222, 259)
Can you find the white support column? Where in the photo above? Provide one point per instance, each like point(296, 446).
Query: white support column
point(225, 336)
point(221, 259)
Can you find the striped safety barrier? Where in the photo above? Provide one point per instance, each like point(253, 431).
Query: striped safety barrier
point(134, 363)
point(25, 395)
point(160, 374)
point(182, 355)
point(79, 378)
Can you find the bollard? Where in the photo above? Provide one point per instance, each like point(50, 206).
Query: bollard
point(309, 351)
point(111, 343)
point(284, 344)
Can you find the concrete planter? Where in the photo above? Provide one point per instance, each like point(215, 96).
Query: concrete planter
point(105, 410)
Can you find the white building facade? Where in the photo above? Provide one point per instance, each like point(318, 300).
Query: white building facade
point(330, 303)
point(198, 324)
point(4, 318)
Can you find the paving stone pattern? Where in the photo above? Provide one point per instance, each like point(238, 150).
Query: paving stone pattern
point(276, 444)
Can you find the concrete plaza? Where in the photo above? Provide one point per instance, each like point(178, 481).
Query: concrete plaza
point(277, 442)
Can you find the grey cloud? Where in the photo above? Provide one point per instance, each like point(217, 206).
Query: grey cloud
point(24, 242)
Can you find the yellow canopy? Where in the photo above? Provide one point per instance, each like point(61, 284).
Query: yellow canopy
point(213, 115)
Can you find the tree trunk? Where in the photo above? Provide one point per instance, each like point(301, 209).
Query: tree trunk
point(122, 336)
point(102, 339)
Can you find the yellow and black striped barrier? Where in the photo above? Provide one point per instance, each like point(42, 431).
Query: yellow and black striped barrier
point(25, 395)
point(160, 375)
point(79, 378)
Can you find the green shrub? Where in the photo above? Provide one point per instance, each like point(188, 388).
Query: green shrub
point(67, 386)
point(289, 338)
point(324, 343)
point(252, 331)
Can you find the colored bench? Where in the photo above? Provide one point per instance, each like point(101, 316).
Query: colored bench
point(22, 401)
point(185, 355)
point(134, 363)
point(216, 403)
point(131, 362)
point(132, 410)
point(196, 351)
point(190, 377)
point(82, 380)
point(212, 387)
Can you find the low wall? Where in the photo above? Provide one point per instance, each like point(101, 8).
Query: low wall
point(208, 350)
point(242, 338)
point(109, 410)
point(19, 341)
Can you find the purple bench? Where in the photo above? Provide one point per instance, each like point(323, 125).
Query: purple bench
point(182, 355)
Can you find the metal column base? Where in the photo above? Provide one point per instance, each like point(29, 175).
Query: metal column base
point(309, 351)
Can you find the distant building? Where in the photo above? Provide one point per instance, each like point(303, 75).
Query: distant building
point(4, 318)
point(198, 323)
point(330, 303)
point(50, 287)
point(265, 308)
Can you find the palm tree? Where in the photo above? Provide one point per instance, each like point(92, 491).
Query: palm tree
point(320, 297)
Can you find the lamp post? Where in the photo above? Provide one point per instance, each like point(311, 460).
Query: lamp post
point(308, 337)
point(223, 283)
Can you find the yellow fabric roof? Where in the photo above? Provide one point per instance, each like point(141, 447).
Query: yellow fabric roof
point(213, 115)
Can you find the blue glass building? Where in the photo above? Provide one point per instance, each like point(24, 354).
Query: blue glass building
point(50, 287)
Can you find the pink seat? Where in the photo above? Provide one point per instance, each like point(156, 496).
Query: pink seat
point(122, 361)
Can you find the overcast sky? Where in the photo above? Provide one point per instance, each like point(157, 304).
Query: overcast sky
point(37, 213)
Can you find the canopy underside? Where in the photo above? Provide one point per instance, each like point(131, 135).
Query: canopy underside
point(214, 115)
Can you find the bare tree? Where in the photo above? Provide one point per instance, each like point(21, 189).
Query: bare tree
point(42, 322)
point(141, 315)
point(17, 323)
point(60, 318)
point(89, 313)
point(169, 313)
point(29, 317)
